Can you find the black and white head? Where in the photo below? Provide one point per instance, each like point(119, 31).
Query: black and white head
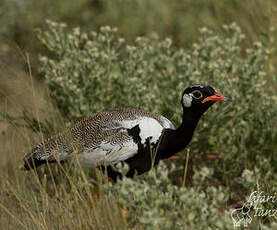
point(198, 98)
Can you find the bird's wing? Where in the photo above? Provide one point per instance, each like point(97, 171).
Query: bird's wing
point(108, 136)
point(121, 140)
point(108, 154)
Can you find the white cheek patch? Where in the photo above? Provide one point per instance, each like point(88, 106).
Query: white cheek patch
point(187, 99)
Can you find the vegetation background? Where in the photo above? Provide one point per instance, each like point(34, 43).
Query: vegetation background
point(138, 53)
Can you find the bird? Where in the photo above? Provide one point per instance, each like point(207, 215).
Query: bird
point(134, 136)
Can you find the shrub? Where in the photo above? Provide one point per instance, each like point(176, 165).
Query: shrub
point(98, 70)
point(156, 203)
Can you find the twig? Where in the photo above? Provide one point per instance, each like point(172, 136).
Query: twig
point(212, 157)
point(186, 168)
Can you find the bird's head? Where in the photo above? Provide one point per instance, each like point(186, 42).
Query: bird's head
point(198, 98)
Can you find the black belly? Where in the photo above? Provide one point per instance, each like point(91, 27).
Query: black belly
point(142, 161)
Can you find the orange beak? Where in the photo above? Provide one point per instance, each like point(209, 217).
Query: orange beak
point(215, 97)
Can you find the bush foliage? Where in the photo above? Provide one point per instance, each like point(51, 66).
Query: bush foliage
point(100, 70)
point(158, 204)
point(93, 71)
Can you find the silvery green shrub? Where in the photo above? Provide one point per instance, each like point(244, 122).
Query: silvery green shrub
point(90, 71)
point(156, 203)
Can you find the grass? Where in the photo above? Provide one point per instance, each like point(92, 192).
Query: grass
point(29, 203)
point(44, 199)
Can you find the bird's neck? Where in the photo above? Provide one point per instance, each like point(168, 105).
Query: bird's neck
point(174, 141)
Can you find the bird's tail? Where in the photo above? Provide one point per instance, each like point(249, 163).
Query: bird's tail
point(30, 161)
point(51, 150)
point(48, 151)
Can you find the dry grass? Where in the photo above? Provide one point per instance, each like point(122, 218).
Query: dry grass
point(32, 203)
point(32, 200)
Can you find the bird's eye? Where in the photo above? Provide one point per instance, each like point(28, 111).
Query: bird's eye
point(197, 94)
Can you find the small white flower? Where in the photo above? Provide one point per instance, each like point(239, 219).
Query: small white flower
point(76, 31)
point(138, 39)
point(70, 36)
point(121, 40)
point(195, 53)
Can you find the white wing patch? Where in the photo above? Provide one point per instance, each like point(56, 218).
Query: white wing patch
point(118, 154)
point(108, 154)
point(149, 127)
